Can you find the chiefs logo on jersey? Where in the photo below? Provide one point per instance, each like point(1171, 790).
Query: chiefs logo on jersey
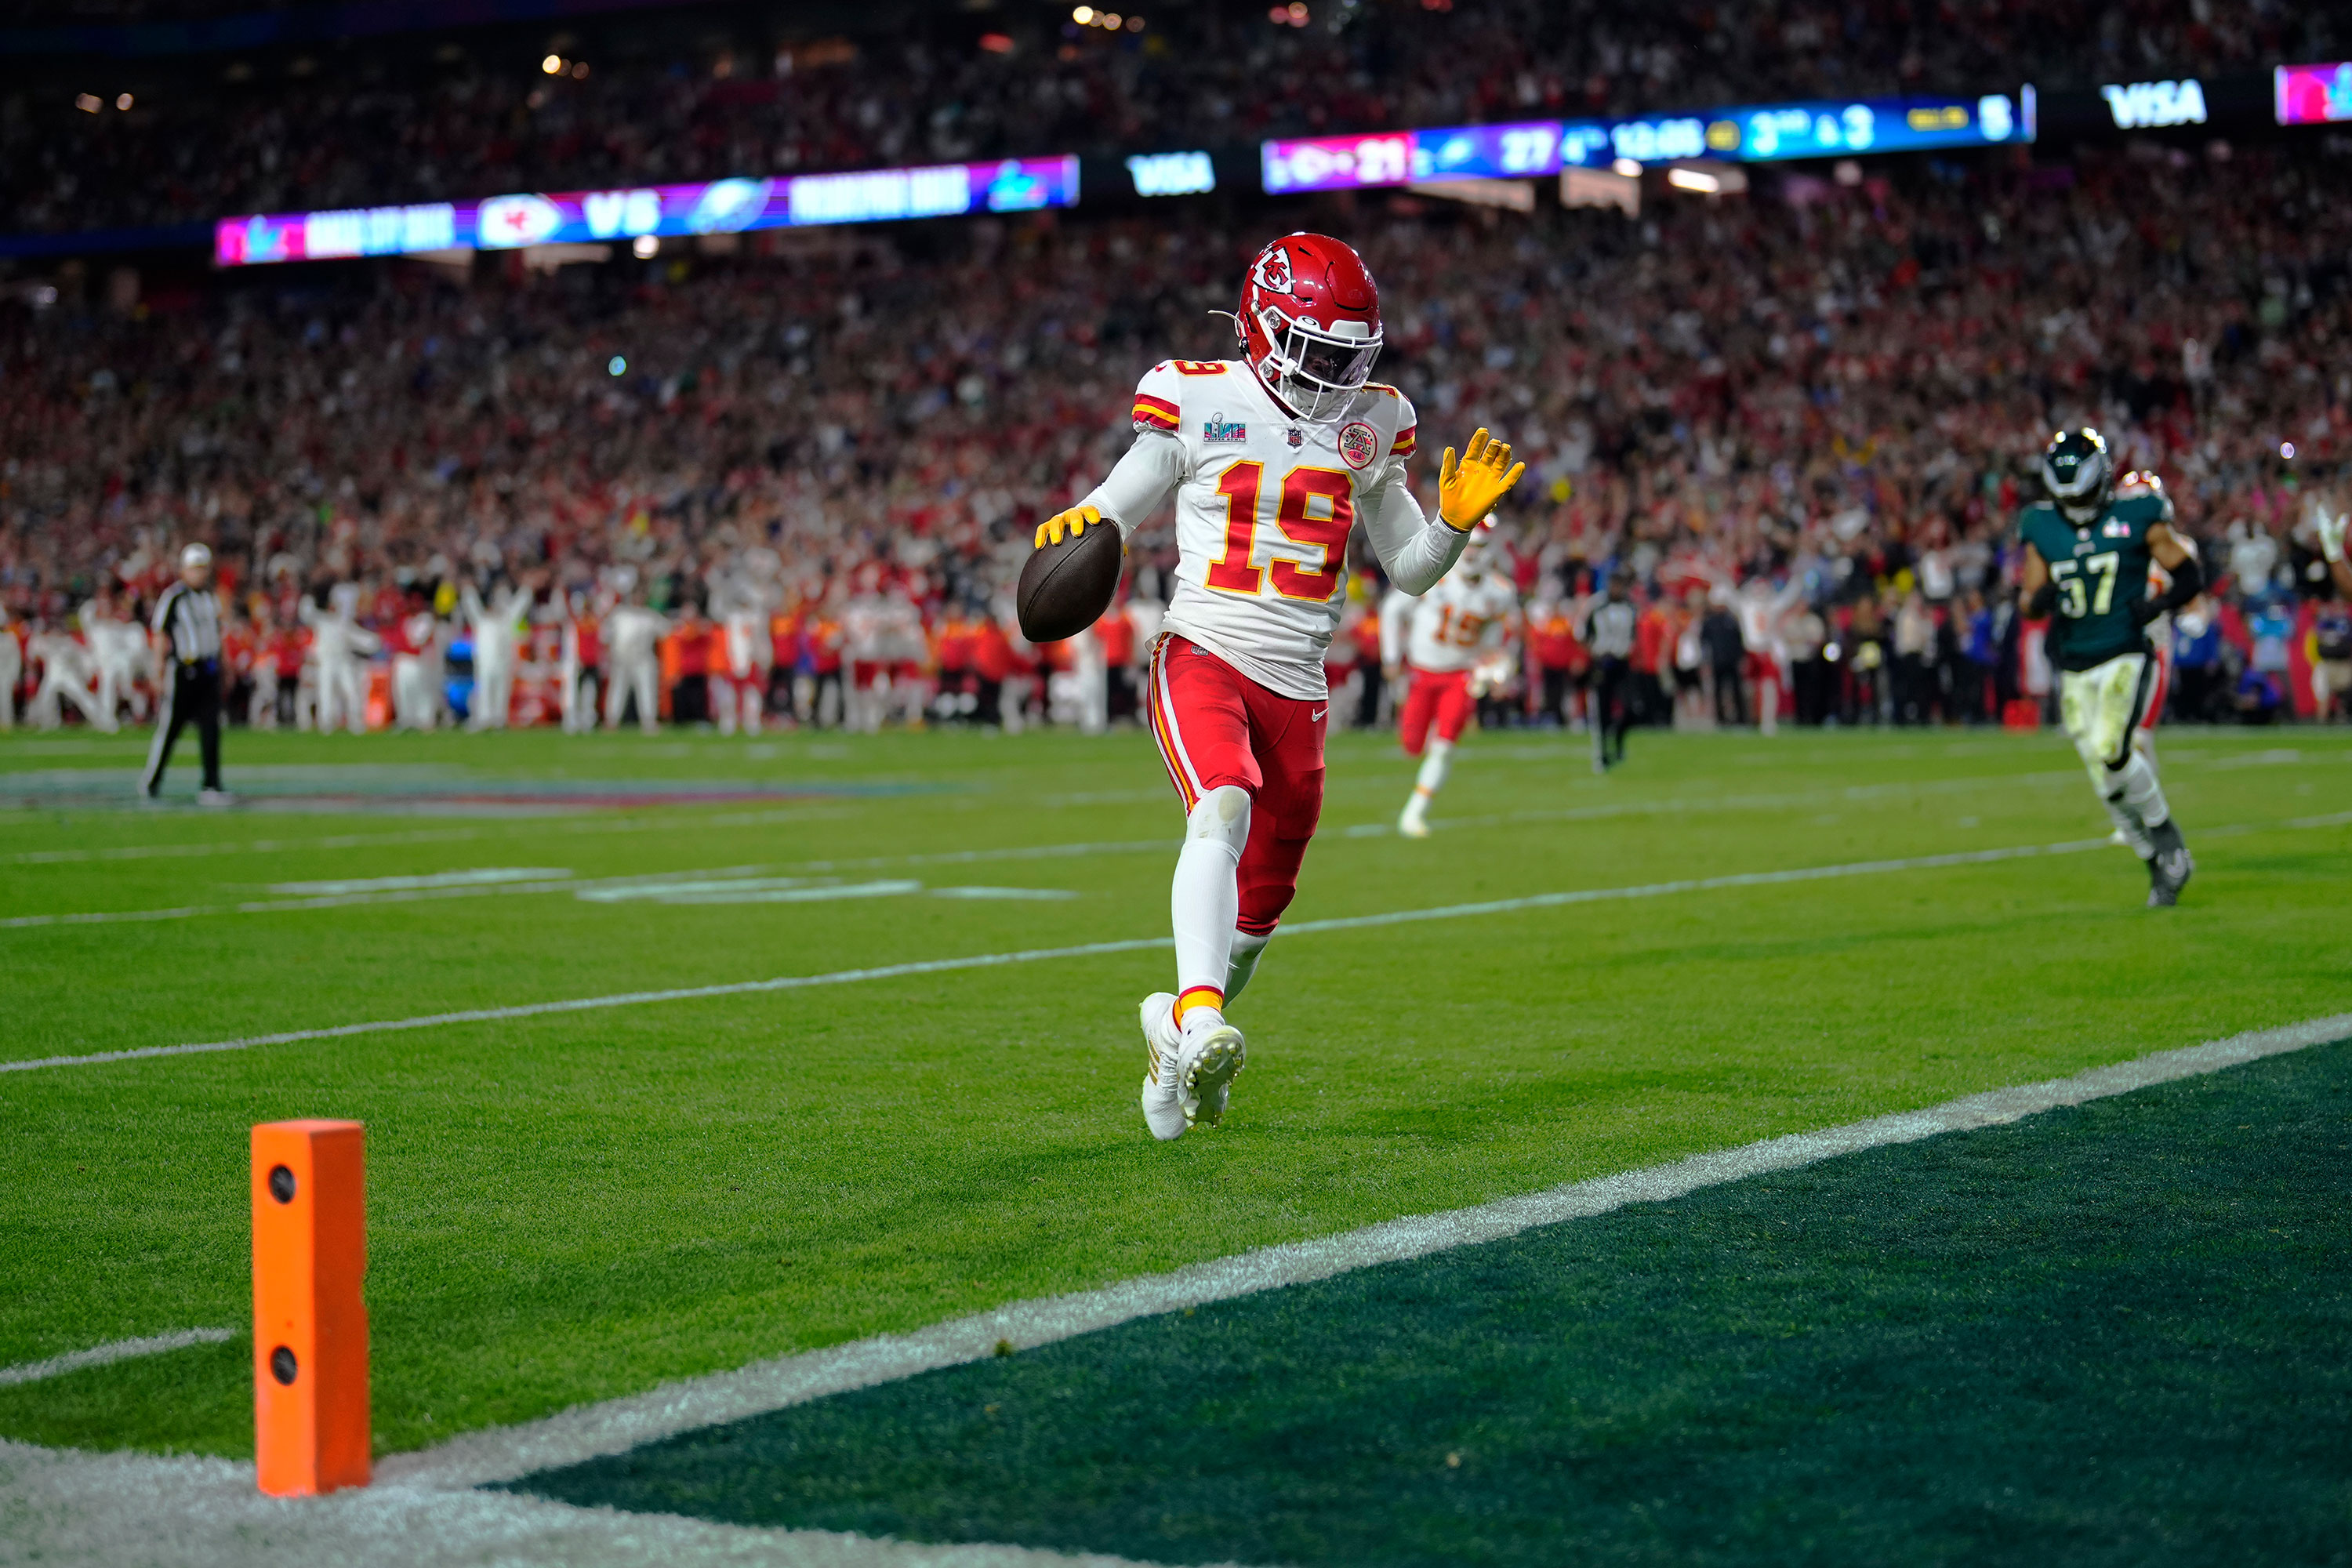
point(1357, 444)
point(1271, 272)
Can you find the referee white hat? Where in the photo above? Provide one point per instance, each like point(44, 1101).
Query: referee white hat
point(196, 555)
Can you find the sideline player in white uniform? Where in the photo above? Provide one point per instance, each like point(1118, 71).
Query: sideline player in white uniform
point(1273, 459)
point(1458, 635)
point(2148, 482)
point(2331, 525)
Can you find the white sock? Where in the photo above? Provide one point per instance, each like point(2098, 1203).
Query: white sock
point(2142, 793)
point(2128, 824)
point(1205, 899)
point(1243, 963)
point(1431, 777)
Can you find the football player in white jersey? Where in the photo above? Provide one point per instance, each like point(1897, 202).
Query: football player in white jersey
point(1273, 459)
point(2148, 482)
point(1458, 637)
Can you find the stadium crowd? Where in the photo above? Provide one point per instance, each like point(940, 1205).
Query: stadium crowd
point(380, 126)
point(1800, 423)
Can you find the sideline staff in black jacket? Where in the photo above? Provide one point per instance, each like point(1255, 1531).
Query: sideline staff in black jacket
point(188, 673)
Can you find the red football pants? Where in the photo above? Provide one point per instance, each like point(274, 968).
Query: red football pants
point(1439, 696)
point(1215, 726)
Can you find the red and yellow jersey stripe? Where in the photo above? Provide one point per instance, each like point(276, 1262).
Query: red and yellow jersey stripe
point(1402, 447)
point(1157, 413)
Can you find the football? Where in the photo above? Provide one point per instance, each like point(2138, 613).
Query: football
point(1065, 587)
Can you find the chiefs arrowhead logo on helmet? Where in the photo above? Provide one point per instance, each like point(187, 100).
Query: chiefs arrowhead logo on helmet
point(1271, 272)
point(1309, 323)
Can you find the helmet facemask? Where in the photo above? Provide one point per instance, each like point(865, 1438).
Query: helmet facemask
point(1315, 371)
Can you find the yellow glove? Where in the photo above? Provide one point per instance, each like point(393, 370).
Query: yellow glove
point(1075, 521)
point(1468, 489)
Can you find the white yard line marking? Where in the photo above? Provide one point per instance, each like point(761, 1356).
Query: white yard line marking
point(617, 1425)
point(752, 890)
point(1131, 945)
point(119, 1350)
point(481, 876)
point(1036, 894)
point(563, 882)
point(428, 835)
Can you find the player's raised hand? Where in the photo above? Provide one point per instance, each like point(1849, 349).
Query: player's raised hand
point(1468, 489)
point(1074, 522)
point(2331, 534)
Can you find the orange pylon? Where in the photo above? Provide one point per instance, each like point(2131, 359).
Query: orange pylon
point(309, 1325)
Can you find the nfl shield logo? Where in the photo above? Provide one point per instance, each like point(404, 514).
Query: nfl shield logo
point(1357, 444)
point(1297, 437)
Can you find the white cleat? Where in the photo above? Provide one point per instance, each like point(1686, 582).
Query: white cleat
point(1411, 825)
point(1163, 1105)
point(1209, 1057)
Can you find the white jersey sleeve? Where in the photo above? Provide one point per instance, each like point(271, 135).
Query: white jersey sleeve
point(1413, 549)
point(1142, 479)
point(1396, 625)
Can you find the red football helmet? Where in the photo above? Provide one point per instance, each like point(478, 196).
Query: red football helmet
point(1310, 322)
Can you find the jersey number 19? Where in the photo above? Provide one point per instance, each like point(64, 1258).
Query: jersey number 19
point(1233, 573)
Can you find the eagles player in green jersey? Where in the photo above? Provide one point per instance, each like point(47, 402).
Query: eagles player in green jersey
point(2086, 557)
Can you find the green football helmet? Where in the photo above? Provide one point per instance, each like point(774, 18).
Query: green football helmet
point(2077, 474)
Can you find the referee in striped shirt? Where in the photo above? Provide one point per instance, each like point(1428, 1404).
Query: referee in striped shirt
point(188, 641)
point(1609, 629)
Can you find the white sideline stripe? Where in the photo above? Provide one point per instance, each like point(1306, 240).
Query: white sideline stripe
point(617, 1426)
point(1131, 945)
point(119, 1350)
point(99, 1511)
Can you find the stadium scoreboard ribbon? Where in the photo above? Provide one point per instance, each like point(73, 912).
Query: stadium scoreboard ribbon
point(309, 1323)
point(1771, 133)
point(720, 206)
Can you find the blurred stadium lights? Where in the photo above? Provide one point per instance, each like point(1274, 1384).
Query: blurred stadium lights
point(548, 258)
point(123, 101)
point(1625, 168)
point(552, 65)
point(996, 43)
point(1620, 188)
point(1512, 195)
point(1706, 178)
point(645, 247)
point(89, 102)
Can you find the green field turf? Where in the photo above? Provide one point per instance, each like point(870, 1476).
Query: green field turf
point(2109, 1334)
point(577, 1205)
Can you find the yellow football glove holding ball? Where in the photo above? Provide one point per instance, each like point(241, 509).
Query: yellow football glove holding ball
point(1468, 489)
point(1074, 522)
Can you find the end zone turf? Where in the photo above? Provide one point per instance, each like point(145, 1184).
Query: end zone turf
point(2096, 1336)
